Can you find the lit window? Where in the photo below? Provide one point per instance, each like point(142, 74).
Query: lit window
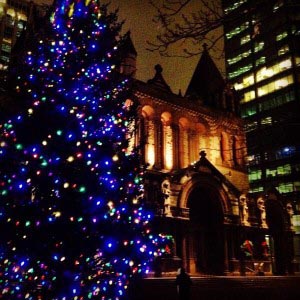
point(257, 189)
point(239, 57)
point(265, 73)
point(271, 172)
point(297, 186)
point(237, 30)
point(238, 86)
point(260, 61)
point(275, 85)
point(283, 170)
point(286, 64)
point(266, 121)
point(258, 46)
point(240, 71)
point(284, 49)
point(254, 175)
point(253, 159)
point(245, 39)
point(249, 96)
point(249, 80)
point(234, 6)
point(285, 188)
point(277, 5)
point(281, 36)
point(251, 126)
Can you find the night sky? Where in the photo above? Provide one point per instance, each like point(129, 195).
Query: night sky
point(138, 15)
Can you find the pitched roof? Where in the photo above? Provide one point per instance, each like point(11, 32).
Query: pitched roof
point(127, 46)
point(207, 82)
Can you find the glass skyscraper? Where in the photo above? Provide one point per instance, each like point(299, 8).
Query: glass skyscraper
point(15, 15)
point(262, 49)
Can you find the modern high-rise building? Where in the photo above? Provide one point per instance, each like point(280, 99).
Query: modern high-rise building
point(15, 15)
point(262, 49)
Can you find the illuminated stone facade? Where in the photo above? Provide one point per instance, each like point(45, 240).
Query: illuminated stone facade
point(194, 148)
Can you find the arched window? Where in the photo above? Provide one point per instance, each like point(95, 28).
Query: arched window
point(225, 149)
point(184, 149)
point(166, 119)
point(148, 135)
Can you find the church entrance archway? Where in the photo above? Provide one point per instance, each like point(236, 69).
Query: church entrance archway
point(206, 232)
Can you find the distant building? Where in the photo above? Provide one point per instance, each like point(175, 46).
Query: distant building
point(262, 49)
point(15, 16)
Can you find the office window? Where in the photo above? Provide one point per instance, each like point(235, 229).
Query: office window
point(249, 111)
point(297, 186)
point(237, 30)
point(253, 159)
point(284, 170)
point(271, 173)
point(263, 73)
point(275, 85)
point(250, 126)
point(240, 71)
point(256, 189)
point(281, 36)
point(245, 39)
point(277, 101)
point(234, 6)
point(254, 175)
point(238, 86)
point(248, 96)
point(1, 10)
point(266, 121)
point(248, 80)
point(284, 49)
point(260, 61)
point(277, 5)
point(6, 48)
point(258, 46)
point(284, 188)
point(239, 57)
point(281, 66)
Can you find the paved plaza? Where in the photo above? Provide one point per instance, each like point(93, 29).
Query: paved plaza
point(223, 288)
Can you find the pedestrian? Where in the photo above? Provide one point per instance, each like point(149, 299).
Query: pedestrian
point(183, 284)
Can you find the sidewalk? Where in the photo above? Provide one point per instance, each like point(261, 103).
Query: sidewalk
point(223, 288)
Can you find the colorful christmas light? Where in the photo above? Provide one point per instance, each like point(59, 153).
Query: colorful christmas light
point(71, 210)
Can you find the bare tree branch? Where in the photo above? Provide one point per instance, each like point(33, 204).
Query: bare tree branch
point(187, 22)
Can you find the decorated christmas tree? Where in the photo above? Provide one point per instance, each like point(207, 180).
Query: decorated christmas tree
point(73, 224)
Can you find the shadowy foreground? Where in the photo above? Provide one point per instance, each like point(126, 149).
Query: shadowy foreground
point(222, 288)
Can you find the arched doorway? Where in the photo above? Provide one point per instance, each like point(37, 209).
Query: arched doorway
point(206, 232)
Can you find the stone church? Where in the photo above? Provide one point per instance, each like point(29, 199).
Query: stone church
point(195, 150)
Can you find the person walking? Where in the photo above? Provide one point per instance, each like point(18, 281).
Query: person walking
point(183, 283)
